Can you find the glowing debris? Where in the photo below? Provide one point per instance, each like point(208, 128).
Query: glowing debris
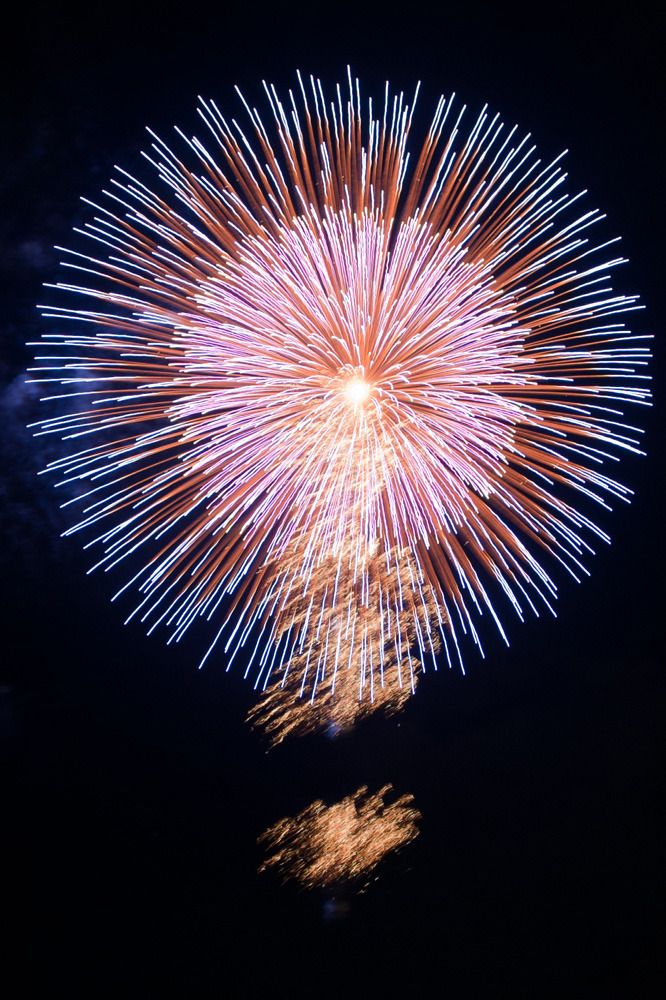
point(342, 843)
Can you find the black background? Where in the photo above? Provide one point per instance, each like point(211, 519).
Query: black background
point(135, 792)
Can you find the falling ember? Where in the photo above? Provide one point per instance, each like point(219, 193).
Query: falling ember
point(335, 403)
point(342, 843)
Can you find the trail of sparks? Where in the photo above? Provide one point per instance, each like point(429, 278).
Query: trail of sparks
point(342, 843)
point(357, 658)
point(329, 700)
point(322, 386)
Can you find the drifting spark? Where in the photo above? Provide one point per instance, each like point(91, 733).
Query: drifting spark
point(313, 385)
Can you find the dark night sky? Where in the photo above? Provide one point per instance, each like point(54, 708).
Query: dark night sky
point(135, 792)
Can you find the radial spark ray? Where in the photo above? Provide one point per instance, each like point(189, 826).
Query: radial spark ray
point(316, 383)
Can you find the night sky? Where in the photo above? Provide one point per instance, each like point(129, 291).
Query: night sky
point(135, 792)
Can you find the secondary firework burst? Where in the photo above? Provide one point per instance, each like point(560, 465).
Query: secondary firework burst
point(307, 370)
point(340, 844)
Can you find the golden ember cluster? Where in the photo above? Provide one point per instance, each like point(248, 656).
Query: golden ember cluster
point(342, 843)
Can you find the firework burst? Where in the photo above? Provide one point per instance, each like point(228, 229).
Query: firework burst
point(341, 402)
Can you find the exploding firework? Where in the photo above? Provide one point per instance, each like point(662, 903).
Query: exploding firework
point(335, 403)
point(342, 843)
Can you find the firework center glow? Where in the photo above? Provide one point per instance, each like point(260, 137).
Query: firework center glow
point(357, 391)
